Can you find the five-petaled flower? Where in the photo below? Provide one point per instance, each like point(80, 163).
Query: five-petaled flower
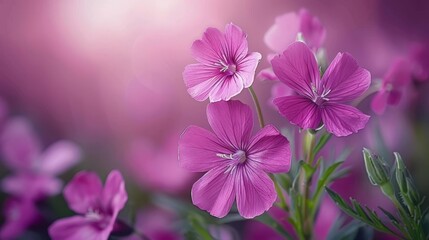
point(321, 100)
point(225, 67)
point(98, 207)
point(237, 163)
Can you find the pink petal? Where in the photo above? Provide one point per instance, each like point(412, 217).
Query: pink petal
point(114, 196)
point(297, 68)
point(213, 192)
point(300, 111)
point(200, 80)
point(247, 67)
point(270, 150)
point(226, 88)
point(83, 191)
point(394, 97)
point(267, 74)
point(343, 120)
point(255, 192)
point(231, 121)
point(345, 79)
point(283, 32)
point(313, 31)
point(31, 186)
point(398, 75)
point(19, 215)
point(216, 40)
point(198, 148)
point(379, 102)
point(59, 157)
point(235, 42)
point(77, 228)
point(19, 145)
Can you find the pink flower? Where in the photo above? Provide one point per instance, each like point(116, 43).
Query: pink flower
point(225, 67)
point(98, 207)
point(321, 100)
point(396, 79)
point(19, 215)
point(237, 163)
point(34, 170)
point(287, 26)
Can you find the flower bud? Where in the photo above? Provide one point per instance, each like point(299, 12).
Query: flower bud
point(377, 170)
point(400, 173)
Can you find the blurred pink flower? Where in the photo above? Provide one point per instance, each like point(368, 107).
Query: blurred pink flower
point(19, 215)
point(225, 67)
point(287, 26)
point(237, 163)
point(320, 100)
point(144, 161)
point(98, 207)
point(396, 79)
point(34, 170)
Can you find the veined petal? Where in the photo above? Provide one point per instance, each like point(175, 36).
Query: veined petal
point(344, 79)
point(216, 40)
point(343, 120)
point(59, 157)
point(200, 79)
point(255, 191)
point(297, 68)
point(300, 111)
point(270, 150)
point(83, 191)
point(226, 88)
point(247, 67)
point(236, 42)
point(19, 145)
point(114, 196)
point(213, 192)
point(77, 228)
point(198, 149)
point(231, 121)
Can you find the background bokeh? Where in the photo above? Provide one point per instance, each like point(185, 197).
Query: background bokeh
point(107, 74)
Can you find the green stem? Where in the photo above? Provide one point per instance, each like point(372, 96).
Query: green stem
point(258, 107)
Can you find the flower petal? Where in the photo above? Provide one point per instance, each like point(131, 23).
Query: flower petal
point(231, 121)
point(235, 42)
point(76, 228)
point(379, 102)
point(283, 32)
point(255, 192)
point(198, 148)
point(83, 191)
point(18, 216)
point(300, 111)
point(31, 186)
point(200, 79)
point(19, 145)
point(312, 30)
point(213, 192)
point(114, 196)
point(59, 157)
point(343, 120)
point(270, 150)
point(247, 67)
point(345, 79)
point(267, 74)
point(297, 68)
point(226, 88)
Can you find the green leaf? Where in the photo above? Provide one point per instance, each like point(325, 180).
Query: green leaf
point(324, 179)
point(321, 143)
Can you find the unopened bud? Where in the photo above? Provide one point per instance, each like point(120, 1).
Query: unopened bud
point(376, 169)
point(400, 173)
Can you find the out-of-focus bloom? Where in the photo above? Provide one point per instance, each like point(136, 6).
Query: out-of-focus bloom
point(321, 100)
point(34, 170)
point(287, 26)
point(225, 67)
point(396, 79)
point(420, 62)
point(98, 207)
point(19, 215)
point(144, 161)
point(237, 163)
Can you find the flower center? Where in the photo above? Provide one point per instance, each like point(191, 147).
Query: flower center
point(228, 68)
point(93, 214)
point(320, 98)
point(239, 156)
